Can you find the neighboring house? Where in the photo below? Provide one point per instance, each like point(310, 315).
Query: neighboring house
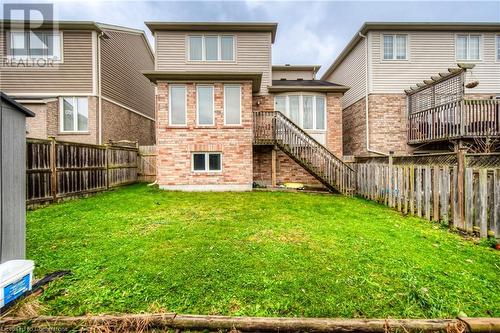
point(385, 59)
point(87, 87)
point(216, 93)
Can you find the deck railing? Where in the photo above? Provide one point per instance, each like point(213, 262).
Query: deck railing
point(275, 128)
point(460, 119)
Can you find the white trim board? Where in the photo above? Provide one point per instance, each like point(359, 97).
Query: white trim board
point(208, 188)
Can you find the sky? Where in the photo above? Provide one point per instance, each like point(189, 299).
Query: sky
point(309, 32)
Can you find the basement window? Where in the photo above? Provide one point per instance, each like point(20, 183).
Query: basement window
point(205, 161)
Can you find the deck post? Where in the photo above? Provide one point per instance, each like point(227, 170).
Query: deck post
point(273, 167)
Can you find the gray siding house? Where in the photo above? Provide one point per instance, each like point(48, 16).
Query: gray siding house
point(90, 90)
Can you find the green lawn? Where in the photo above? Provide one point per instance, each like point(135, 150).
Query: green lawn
point(139, 249)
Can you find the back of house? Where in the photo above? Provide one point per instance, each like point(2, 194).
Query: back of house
point(82, 80)
point(385, 59)
point(217, 94)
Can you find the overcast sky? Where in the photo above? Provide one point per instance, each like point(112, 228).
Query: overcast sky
point(312, 32)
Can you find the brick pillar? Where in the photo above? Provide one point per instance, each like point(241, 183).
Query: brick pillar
point(334, 123)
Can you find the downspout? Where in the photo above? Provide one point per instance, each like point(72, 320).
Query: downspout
point(99, 96)
point(367, 123)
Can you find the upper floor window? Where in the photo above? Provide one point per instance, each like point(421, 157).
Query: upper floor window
point(468, 47)
point(177, 105)
point(39, 44)
point(307, 111)
point(498, 47)
point(211, 48)
point(395, 47)
point(74, 114)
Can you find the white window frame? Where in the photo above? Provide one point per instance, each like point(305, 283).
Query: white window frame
point(203, 51)
point(468, 47)
point(207, 162)
point(75, 115)
point(29, 57)
point(225, 109)
point(382, 53)
point(170, 86)
point(301, 110)
point(198, 104)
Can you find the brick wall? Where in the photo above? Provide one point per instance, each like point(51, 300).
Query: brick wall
point(334, 124)
point(175, 144)
point(36, 127)
point(354, 129)
point(388, 119)
point(286, 168)
point(122, 124)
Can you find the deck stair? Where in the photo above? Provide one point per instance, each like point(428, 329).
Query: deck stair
point(274, 128)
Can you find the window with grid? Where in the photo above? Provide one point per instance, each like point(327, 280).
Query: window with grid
point(468, 47)
point(395, 47)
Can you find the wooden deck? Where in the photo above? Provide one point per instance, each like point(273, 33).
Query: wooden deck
point(455, 120)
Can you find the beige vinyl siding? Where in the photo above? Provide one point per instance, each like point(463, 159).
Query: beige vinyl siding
point(292, 75)
point(73, 75)
point(352, 73)
point(431, 53)
point(123, 56)
point(253, 54)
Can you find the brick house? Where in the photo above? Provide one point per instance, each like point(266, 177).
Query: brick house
point(384, 59)
point(217, 128)
point(88, 87)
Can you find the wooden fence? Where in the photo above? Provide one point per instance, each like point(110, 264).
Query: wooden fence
point(147, 163)
point(460, 189)
point(57, 169)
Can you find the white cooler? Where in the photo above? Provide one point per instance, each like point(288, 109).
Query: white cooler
point(16, 277)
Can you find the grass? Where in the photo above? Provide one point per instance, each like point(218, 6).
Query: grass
point(139, 249)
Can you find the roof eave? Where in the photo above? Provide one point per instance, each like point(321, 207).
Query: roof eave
point(22, 108)
point(215, 26)
point(337, 89)
point(312, 68)
point(61, 25)
point(180, 76)
point(422, 26)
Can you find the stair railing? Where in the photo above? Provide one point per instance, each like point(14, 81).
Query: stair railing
point(276, 128)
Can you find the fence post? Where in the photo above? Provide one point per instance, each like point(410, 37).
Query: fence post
point(391, 153)
point(460, 187)
point(106, 158)
point(53, 167)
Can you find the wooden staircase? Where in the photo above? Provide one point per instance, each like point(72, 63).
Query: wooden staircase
point(274, 128)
